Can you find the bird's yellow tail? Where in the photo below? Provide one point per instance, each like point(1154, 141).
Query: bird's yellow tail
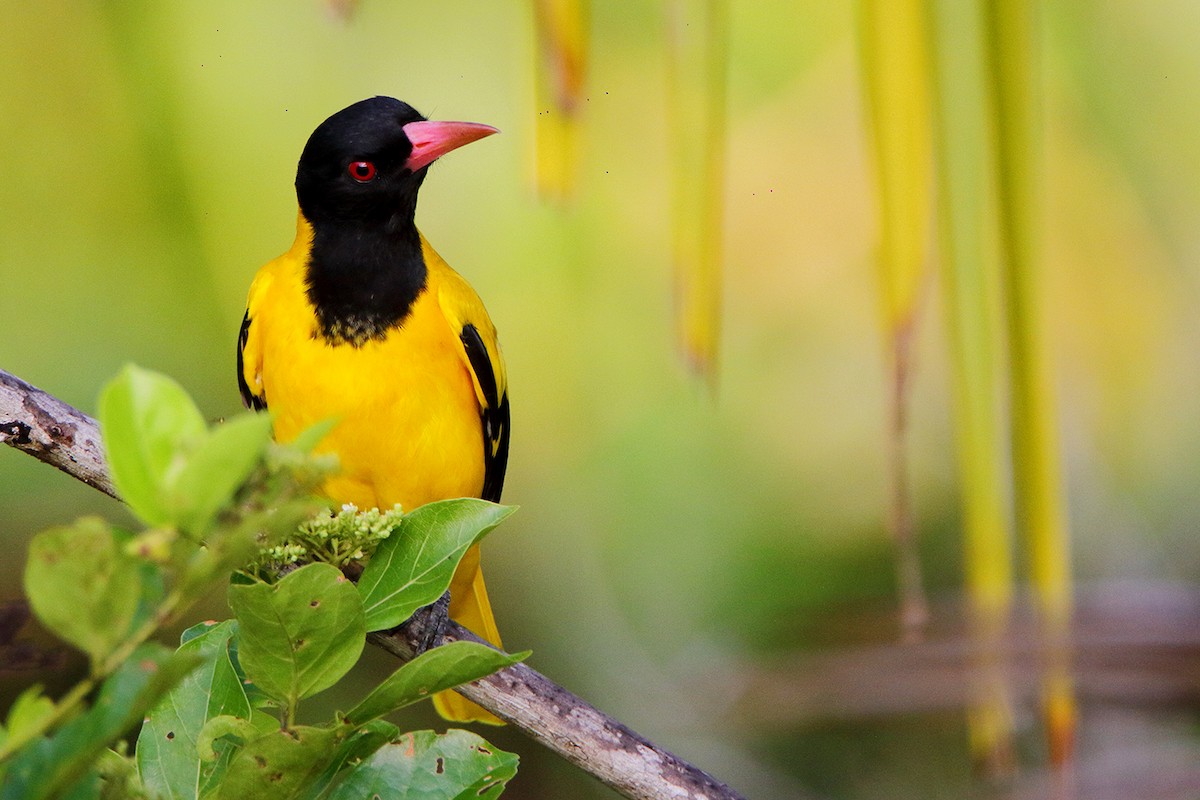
point(470, 608)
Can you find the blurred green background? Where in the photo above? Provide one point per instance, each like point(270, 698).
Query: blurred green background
point(678, 556)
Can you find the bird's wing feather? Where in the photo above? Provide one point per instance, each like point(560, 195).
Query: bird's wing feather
point(481, 355)
point(493, 413)
point(249, 349)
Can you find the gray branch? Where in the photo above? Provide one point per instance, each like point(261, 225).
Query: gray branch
point(52, 431)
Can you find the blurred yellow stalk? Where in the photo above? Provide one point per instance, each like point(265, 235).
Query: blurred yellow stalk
point(697, 32)
point(894, 55)
point(1037, 485)
point(970, 283)
point(342, 10)
point(560, 72)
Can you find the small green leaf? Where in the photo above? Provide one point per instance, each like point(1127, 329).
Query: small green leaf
point(28, 711)
point(52, 767)
point(83, 586)
point(279, 764)
point(455, 765)
point(167, 754)
point(148, 422)
point(413, 567)
point(437, 669)
point(216, 469)
point(300, 635)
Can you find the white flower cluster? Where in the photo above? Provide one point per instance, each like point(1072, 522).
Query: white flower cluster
point(349, 535)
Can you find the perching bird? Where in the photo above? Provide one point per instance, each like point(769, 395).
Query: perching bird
point(362, 322)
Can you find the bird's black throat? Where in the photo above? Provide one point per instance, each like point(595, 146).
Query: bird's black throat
point(363, 277)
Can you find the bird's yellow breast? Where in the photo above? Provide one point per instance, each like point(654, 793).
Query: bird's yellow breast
point(407, 413)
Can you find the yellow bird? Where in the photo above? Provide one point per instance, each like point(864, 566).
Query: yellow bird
point(363, 322)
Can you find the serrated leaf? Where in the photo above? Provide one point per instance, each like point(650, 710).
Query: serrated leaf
point(413, 567)
point(278, 764)
point(455, 765)
point(300, 635)
point(433, 671)
point(83, 586)
point(216, 469)
point(167, 753)
point(51, 767)
point(147, 421)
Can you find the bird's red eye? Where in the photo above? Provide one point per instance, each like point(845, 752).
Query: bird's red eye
point(361, 171)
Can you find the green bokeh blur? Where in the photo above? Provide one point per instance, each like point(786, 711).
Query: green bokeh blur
point(670, 542)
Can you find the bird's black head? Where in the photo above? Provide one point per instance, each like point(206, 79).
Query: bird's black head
point(367, 161)
point(357, 185)
point(353, 166)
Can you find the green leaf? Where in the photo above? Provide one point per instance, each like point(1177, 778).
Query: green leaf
point(54, 766)
point(413, 567)
point(167, 754)
point(360, 744)
point(149, 673)
point(437, 669)
point(148, 422)
point(196, 631)
point(455, 765)
point(118, 776)
point(216, 469)
point(28, 711)
point(257, 697)
point(83, 586)
point(300, 635)
point(147, 553)
point(37, 761)
point(231, 729)
point(279, 764)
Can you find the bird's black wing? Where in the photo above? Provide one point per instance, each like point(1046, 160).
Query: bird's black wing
point(249, 398)
point(494, 415)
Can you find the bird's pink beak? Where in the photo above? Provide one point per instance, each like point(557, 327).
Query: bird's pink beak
point(432, 140)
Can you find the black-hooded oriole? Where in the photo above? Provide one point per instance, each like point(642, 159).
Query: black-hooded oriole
point(363, 322)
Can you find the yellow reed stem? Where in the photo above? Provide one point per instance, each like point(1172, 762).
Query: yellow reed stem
point(1037, 488)
point(698, 36)
point(893, 47)
point(969, 283)
point(560, 74)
